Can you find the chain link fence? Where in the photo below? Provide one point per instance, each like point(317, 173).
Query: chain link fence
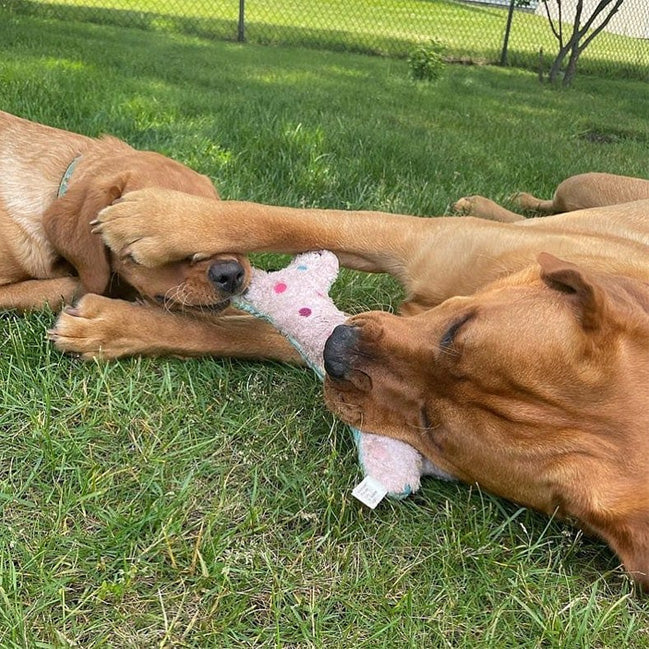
point(470, 31)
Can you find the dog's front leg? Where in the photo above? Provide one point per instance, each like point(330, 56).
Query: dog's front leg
point(36, 294)
point(101, 327)
point(434, 258)
point(156, 226)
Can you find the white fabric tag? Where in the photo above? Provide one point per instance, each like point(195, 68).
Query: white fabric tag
point(370, 492)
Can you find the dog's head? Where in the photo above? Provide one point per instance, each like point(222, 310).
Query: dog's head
point(536, 388)
point(99, 180)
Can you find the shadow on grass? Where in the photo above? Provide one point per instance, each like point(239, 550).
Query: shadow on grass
point(593, 65)
point(147, 20)
point(256, 31)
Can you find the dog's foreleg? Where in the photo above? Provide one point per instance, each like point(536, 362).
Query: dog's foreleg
point(100, 327)
point(35, 294)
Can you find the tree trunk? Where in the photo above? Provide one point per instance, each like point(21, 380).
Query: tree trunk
point(555, 70)
point(508, 27)
point(571, 68)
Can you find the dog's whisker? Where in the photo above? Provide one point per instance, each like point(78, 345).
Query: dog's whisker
point(173, 296)
point(448, 350)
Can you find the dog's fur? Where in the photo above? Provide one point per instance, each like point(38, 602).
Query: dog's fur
point(524, 364)
point(49, 256)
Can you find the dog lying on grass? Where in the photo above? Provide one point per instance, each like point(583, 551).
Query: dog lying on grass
point(52, 185)
point(520, 360)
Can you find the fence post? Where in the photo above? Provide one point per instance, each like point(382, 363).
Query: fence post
point(510, 15)
point(241, 36)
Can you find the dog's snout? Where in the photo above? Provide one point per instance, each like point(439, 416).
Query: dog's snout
point(337, 350)
point(228, 276)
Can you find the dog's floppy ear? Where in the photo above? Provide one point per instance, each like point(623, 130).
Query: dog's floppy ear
point(588, 297)
point(630, 541)
point(67, 225)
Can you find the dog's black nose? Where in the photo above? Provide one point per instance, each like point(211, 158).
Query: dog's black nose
point(227, 276)
point(338, 349)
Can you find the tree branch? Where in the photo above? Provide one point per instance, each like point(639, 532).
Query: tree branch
point(557, 35)
point(576, 34)
point(581, 35)
point(603, 24)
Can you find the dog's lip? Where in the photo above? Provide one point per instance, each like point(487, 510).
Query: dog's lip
point(214, 307)
point(340, 403)
point(354, 380)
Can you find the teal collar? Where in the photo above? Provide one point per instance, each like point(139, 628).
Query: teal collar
point(65, 181)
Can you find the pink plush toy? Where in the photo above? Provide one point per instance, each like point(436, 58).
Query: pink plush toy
point(296, 301)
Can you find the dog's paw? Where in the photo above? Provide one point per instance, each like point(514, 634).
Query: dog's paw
point(147, 226)
point(94, 328)
point(462, 206)
point(484, 208)
point(468, 205)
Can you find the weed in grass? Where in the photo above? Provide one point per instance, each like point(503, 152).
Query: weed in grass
point(426, 61)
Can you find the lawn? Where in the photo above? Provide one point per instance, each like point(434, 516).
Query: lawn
point(206, 503)
point(392, 27)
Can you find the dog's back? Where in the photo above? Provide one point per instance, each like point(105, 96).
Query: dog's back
point(33, 161)
point(53, 183)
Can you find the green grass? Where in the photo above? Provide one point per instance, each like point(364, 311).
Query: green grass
point(206, 503)
point(392, 27)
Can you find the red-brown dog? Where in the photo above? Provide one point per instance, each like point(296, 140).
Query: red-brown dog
point(524, 364)
point(52, 185)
